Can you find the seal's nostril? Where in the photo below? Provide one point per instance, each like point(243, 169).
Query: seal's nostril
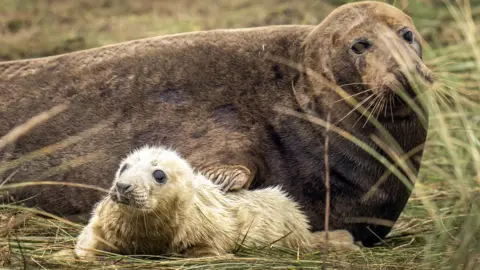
point(124, 187)
point(419, 68)
point(426, 75)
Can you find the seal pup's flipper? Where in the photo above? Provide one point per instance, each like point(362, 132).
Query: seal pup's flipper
point(230, 177)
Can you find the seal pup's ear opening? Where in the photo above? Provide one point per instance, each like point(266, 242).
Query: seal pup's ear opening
point(181, 174)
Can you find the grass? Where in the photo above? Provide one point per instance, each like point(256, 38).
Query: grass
point(439, 228)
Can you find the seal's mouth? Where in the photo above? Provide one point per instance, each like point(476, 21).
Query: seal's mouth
point(400, 108)
point(407, 87)
point(121, 199)
point(127, 200)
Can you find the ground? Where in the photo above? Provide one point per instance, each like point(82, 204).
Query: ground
point(440, 226)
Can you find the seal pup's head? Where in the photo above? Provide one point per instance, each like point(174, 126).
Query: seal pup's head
point(151, 179)
point(367, 48)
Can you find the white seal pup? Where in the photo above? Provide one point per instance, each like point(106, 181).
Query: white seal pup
point(158, 204)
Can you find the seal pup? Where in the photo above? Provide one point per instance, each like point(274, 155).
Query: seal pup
point(213, 94)
point(159, 205)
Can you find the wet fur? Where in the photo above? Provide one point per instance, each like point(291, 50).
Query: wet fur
point(190, 215)
point(213, 95)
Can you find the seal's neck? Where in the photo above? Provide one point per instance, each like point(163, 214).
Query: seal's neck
point(124, 227)
point(207, 218)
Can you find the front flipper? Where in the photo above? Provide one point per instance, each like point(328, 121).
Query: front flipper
point(338, 240)
point(230, 177)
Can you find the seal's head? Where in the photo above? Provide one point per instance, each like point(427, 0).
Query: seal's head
point(150, 179)
point(367, 48)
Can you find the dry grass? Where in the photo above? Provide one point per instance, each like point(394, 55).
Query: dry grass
point(440, 226)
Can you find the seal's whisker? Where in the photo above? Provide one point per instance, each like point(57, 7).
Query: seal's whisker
point(385, 107)
point(382, 103)
point(441, 97)
point(382, 106)
point(353, 95)
point(377, 109)
point(391, 107)
point(355, 83)
point(160, 217)
point(442, 65)
point(159, 214)
point(144, 220)
point(355, 108)
point(136, 220)
point(366, 109)
point(377, 103)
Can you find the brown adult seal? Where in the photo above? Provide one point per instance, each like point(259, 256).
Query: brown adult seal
point(213, 96)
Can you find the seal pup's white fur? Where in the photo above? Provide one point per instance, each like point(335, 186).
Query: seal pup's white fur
point(158, 204)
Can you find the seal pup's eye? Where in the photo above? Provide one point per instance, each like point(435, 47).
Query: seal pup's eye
point(124, 167)
point(360, 47)
point(159, 176)
point(408, 36)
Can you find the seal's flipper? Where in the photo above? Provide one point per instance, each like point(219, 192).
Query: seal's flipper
point(338, 240)
point(229, 177)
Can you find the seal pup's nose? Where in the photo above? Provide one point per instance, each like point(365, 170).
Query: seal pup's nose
point(124, 188)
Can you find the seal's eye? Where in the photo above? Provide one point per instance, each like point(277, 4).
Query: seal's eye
point(159, 176)
point(124, 167)
point(408, 36)
point(360, 47)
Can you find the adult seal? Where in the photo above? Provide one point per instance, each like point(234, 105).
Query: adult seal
point(214, 95)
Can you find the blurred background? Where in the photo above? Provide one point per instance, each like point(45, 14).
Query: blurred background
point(35, 28)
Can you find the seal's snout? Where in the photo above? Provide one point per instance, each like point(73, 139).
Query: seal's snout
point(122, 193)
point(124, 188)
point(425, 73)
